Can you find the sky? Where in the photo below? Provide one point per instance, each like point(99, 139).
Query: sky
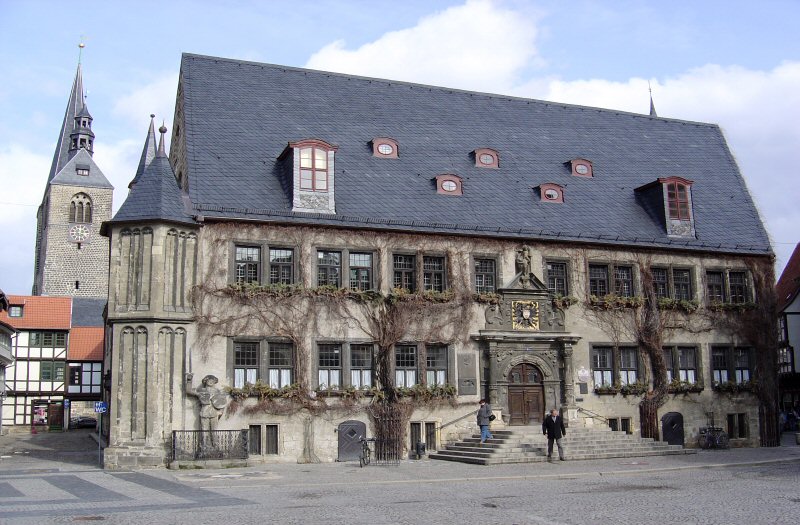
point(735, 63)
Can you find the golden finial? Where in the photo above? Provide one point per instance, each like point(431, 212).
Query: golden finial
point(81, 45)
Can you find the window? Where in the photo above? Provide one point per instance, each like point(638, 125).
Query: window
point(550, 192)
point(85, 378)
point(602, 370)
point(281, 265)
point(731, 364)
point(623, 281)
point(330, 366)
point(486, 158)
point(84, 172)
point(785, 364)
point(581, 168)
point(448, 184)
point(433, 273)
point(248, 264)
point(678, 201)
point(485, 275)
point(48, 339)
point(384, 147)
point(727, 286)
point(685, 357)
point(15, 310)
point(279, 364)
point(80, 208)
point(329, 268)
point(621, 285)
point(361, 271)
point(313, 169)
point(405, 272)
point(598, 280)
point(51, 370)
point(436, 365)
point(361, 365)
point(673, 283)
point(737, 426)
point(557, 278)
point(405, 364)
point(245, 363)
point(628, 365)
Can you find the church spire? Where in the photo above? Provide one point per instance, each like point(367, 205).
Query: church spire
point(75, 113)
point(652, 106)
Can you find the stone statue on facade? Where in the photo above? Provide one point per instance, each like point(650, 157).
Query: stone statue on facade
point(212, 400)
point(523, 265)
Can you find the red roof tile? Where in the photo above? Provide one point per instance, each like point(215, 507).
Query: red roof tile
point(86, 343)
point(789, 282)
point(40, 312)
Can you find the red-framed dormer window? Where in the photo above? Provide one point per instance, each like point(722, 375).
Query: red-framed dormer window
point(448, 184)
point(550, 192)
point(582, 168)
point(384, 147)
point(486, 158)
point(678, 198)
point(313, 156)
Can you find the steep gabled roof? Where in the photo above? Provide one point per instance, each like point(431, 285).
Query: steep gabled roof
point(69, 177)
point(40, 312)
point(789, 283)
point(237, 118)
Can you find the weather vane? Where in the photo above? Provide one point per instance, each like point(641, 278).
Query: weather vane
point(81, 45)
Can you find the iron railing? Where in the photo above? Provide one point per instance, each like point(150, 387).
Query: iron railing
point(192, 445)
point(592, 414)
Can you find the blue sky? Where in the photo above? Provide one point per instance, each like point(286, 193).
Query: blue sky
point(734, 63)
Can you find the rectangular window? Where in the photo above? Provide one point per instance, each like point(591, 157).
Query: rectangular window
point(715, 285)
point(436, 365)
point(245, 363)
point(737, 426)
point(623, 281)
point(738, 286)
point(361, 271)
point(741, 358)
point(557, 278)
point(668, 363)
point(329, 268)
point(281, 265)
point(678, 201)
point(682, 284)
point(405, 276)
point(405, 364)
point(51, 371)
point(485, 275)
point(433, 273)
point(598, 280)
point(279, 363)
point(248, 264)
point(330, 366)
point(361, 366)
point(15, 310)
point(47, 339)
point(628, 365)
point(731, 364)
point(719, 364)
point(661, 282)
point(687, 364)
point(602, 359)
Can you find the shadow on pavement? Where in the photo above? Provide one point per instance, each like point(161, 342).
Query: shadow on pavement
point(76, 447)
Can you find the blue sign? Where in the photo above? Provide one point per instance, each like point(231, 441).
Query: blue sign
point(66, 402)
point(100, 406)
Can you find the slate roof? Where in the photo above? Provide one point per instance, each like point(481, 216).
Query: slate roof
point(87, 311)
point(69, 177)
point(154, 193)
point(788, 285)
point(239, 117)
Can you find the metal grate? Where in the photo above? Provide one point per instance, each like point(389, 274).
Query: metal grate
point(189, 445)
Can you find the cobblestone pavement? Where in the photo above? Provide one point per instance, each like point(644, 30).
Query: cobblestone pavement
point(55, 479)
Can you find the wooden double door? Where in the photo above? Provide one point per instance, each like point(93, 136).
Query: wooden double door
point(525, 395)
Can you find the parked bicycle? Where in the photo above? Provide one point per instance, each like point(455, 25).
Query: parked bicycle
point(366, 451)
point(713, 437)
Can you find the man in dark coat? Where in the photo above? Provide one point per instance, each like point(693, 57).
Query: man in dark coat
point(484, 418)
point(553, 428)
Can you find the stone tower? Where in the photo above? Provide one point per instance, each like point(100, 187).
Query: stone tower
point(71, 256)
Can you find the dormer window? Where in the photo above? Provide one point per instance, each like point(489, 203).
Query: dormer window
point(671, 199)
point(678, 200)
point(312, 163)
point(384, 147)
point(486, 158)
point(550, 192)
point(82, 170)
point(448, 184)
point(581, 168)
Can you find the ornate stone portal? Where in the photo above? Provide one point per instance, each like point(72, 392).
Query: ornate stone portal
point(527, 355)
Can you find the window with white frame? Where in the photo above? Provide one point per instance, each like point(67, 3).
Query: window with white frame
point(405, 364)
point(436, 365)
point(681, 363)
point(433, 273)
point(602, 365)
point(361, 365)
point(329, 268)
point(245, 363)
point(485, 275)
point(731, 364)
point(280, 364)
point(360, 271)
point(628, 365)
point(330, 366)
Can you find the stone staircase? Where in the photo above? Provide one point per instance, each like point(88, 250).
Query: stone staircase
point(528, 445)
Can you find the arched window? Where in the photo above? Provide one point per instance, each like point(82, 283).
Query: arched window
point(80, 209)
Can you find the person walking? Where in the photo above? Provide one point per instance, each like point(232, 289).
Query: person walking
point(484, 418)
point(553, 428)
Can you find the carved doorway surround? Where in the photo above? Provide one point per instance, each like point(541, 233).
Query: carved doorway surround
point(525, 395)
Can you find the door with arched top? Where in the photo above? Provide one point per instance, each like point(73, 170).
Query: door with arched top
point(525, 395)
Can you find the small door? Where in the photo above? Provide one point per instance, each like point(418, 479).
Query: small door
point(350, 434)
point(525, 395)
point(672, 428)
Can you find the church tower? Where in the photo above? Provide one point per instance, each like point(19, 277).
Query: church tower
point(71, 256)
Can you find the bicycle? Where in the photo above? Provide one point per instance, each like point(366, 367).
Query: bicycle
point(366, 451)
point(713, 437)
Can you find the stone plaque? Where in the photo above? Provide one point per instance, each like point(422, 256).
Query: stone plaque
point(467, 382)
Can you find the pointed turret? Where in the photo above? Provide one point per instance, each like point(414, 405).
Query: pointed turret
point(652, 106)
point(75, 105)
point(148, 152)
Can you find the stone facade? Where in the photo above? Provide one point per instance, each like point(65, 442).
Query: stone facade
point(160, 348)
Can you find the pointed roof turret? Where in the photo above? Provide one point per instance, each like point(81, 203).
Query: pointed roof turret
point(155, 196)
point(652, 106)
point(148, 152)
point(75, 105)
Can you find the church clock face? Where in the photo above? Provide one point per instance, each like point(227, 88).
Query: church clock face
point(79, 233)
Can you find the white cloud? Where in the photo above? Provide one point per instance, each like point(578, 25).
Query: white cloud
point(477, 46)
point(156, 97)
